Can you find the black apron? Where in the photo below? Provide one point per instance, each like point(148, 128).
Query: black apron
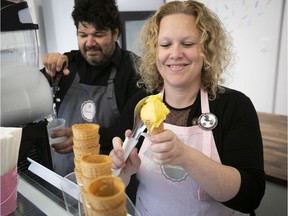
point(85, 104)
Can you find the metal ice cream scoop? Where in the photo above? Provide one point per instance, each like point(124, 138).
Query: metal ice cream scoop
point(138, 128)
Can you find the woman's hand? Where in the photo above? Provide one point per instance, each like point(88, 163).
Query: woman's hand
point(131, 165)
point(66, 146)
point(166, 148)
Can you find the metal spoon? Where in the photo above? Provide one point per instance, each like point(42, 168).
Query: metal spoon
point(131, 141)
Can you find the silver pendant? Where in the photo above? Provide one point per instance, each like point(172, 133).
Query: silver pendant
point(207, 121)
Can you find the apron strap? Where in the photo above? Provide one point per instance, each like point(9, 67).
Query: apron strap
point(206, 147)
point(111, 90)
point(204, 102)
point(110, 84)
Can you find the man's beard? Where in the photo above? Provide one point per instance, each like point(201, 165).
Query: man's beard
point(98, 60)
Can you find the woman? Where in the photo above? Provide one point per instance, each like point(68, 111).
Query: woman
point(209, 159)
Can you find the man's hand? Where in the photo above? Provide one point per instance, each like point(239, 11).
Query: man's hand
point(66, 146)
point(55, 62)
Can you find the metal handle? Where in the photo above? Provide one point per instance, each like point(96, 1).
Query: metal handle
point(128, 145)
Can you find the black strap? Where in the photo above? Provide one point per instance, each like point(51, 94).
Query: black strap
point(65, 84)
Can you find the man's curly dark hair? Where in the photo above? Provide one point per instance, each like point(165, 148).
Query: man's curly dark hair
point(102, 14)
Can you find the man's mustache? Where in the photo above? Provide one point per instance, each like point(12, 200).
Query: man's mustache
point(94, 48)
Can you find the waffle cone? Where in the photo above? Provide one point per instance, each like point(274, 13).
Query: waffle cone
point(85, 131)
point(119, 211)
point(86, 181)
point(93, 165)
point(77, 164)
point(106, 193)
point(80, 152)
point(78, 176)
point(152, 131)
point(86, 143)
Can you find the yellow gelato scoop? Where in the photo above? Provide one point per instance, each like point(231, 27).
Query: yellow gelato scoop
point(153, 113)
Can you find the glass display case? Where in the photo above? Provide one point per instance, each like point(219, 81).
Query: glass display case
point(37, 197)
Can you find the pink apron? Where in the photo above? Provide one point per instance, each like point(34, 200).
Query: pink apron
point(168, 190)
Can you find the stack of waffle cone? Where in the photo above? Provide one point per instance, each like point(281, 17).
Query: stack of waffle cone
point(93, 166)
point(154, 130)
point(85, 140)
point(89, 167)
point(106, 197)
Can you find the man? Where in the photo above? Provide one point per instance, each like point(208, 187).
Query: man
point(87, 91)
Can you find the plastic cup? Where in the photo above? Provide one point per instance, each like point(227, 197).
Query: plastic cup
point(55, 125)
point(71, 194)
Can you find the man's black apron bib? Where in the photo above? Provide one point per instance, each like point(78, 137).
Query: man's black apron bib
point(86, 104)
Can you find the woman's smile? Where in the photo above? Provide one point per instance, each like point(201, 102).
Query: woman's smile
point(177, 67)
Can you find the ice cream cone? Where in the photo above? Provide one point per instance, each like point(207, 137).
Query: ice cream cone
point(154, 130)
point(93, 166)
point(106, 193)
point(153, 113)
point(85, 131)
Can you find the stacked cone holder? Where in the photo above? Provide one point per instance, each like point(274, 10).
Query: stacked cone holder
point(101, 193)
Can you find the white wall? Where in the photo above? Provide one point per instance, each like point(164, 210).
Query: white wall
point(281, 85)
point(59, 28)
point(139, 5)
point(56, 32)
point(260, 70)
point(35, 8)
point(256, 29)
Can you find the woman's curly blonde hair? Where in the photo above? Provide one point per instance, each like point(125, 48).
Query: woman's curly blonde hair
point(215, 46)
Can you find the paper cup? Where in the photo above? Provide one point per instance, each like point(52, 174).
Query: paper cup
point(72, 204)
point(54, 125)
